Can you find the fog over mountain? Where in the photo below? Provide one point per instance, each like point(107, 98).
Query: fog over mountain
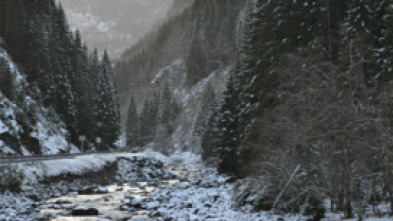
point(114, 25)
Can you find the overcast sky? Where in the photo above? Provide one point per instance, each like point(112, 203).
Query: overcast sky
point(114, 24)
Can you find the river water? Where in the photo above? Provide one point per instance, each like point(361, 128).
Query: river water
point(109, 204)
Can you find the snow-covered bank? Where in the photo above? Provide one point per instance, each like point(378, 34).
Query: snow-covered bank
point(38, 171)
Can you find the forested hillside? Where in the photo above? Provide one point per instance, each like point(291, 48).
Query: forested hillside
point(299, 98)
point(60, 77)
point(307, 113)
point(175, 76)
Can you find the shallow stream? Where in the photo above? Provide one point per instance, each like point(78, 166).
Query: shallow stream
point(111, 205)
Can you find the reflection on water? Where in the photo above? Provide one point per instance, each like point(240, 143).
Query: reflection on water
point(108, 204)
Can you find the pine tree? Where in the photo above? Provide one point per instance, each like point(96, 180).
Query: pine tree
point(211, 138)
point(208, 106)
point(368, 25)
point(229, 131)
point(6, 80)
point(146, 118)
point(108, 97)
point(133, 125)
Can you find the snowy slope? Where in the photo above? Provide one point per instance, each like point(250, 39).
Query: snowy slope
point(190, 100)
point(26, 127)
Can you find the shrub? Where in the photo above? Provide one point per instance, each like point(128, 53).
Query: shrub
point(314, 208)
point(10, 179)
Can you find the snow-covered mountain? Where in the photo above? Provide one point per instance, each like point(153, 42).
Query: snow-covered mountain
point(114, 25)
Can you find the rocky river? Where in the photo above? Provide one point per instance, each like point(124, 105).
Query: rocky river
point(134, 188)
point(131, 188)
point(144, 192)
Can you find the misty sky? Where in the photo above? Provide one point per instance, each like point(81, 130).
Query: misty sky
point(115, 24)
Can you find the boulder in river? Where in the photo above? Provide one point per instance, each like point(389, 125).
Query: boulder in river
point(102, 190)
point(82, 211)
point(86, 191)
point(127, 207)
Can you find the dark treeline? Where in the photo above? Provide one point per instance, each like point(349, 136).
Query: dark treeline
point(307, 111)
point(79, 86)
point(155, 120)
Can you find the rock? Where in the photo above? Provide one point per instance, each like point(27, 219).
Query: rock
point(62, 202)
point(188, 205)
point(155, 213)
point(210, 216)
point(184, 180)
point(62, 213)
point(208, 205)
point(73, 195)
point(137, 203)
point(86, 191)
point(196, 182)
point(70, 207)
point(153, 205)
point(140, 218)
point(127, 207)
point(34, 197)
point(102, 190)
point(280, 219)
point(81, 211)
point(57, 207)
point(42, 218)
point(230, 180)
point(214, 196)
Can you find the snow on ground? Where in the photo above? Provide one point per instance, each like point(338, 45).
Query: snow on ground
point(211, 200)
point(12, 206)
point(169, 70)
point(121, 142)
point(185, 158)
point(38, 171)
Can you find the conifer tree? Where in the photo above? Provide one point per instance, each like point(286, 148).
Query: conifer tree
point(227, 149)
point(133, 125)
point(110, 112)
point(208, 106)
point(6, 80)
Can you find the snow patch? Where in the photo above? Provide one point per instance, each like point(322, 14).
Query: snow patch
point(168, 70)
